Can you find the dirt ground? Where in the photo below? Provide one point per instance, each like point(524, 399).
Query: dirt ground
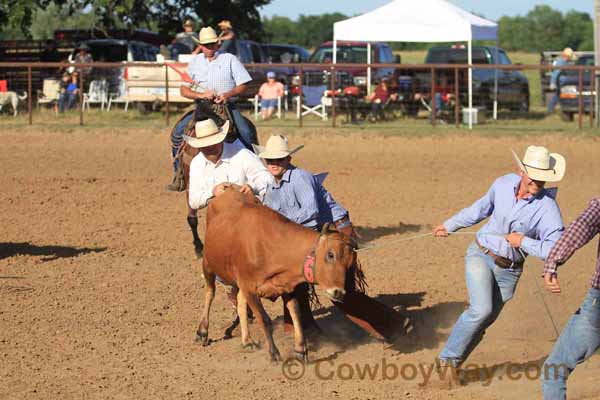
point(100, 296)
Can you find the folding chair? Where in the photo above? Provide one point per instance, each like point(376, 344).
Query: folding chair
point(121, 97)
point(97, 93)
point(257, 105)
point(315, 102)
point(50, 92)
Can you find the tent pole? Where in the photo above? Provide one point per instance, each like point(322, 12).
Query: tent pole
point(334, 50)
point(470, 62)
point(496, 82)
point(369, 68)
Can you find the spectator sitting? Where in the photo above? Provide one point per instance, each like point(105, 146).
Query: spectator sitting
point(443, 95)
point(84, 57)
point(269, 92)
point(378, 100)
point(68, 91)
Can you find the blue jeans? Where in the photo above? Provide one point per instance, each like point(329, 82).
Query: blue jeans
point(577, 342)
point(553, 101)
point(66, 101)
point(490, 287)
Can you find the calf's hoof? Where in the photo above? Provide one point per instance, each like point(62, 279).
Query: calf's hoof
point(275, 356)
point(301, 356)
point(250, 346)
point(202, 338)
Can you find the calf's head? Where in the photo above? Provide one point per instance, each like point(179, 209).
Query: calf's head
point(334, 256)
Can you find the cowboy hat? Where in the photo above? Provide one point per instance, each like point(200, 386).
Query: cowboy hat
point(207, 36)
point(188, 22)
point(225, 24)
point(541, 165)
point(277, 147)
point(207, 134)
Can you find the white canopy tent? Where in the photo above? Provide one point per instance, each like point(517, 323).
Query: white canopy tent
point(419, 21)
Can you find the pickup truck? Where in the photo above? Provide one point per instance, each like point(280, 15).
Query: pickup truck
point(347, 53)
point(547, 58)
point(147, 85)
point(513, 86)
point(568, 83)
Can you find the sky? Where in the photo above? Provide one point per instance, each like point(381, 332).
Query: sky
point(491, 9)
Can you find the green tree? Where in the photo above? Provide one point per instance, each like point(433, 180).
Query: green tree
point(167, 16)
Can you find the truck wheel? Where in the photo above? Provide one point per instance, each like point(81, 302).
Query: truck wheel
point(524, 104)
point(567, 116)
point(143, 108)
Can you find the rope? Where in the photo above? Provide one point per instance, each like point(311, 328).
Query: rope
point(541, 295)
point(422, 235)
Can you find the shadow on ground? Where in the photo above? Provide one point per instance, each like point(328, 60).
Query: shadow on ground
point(48, 253)
point(367, 234)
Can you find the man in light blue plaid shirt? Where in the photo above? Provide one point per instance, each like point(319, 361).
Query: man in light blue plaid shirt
point(218, 77)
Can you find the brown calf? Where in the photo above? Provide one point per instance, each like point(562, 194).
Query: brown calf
point(266, 255)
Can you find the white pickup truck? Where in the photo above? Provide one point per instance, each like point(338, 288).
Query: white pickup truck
point(148, 84)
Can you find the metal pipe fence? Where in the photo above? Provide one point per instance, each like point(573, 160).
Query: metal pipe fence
point(427, 91)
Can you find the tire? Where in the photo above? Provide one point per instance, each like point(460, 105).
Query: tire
point(523, 106)
point(143, 108)
point(567, 116)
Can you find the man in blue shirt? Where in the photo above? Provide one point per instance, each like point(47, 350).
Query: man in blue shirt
point(301, 197)
point(524, 219)
point(220, 78)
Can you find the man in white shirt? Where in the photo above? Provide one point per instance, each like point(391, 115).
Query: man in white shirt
point(219, 163)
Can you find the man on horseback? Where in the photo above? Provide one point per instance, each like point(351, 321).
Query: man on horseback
point(218, 78)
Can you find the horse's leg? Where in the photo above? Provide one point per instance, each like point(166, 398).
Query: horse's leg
point(192, 220)
point(262, 317)
point(300, 351)
point(209, 295)
point(242, 309)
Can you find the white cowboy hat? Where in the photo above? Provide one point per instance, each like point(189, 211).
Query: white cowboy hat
point(277, 147)
point(541, 165)
point(207, 134)
point(207, 35)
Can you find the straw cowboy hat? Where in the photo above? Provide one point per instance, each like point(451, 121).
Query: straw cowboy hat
point(277, 147)
point(207, 36)
point(541, 165)
point(207, 134)
point(225, 24)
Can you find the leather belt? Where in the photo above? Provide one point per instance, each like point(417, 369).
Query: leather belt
point(500, 261)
